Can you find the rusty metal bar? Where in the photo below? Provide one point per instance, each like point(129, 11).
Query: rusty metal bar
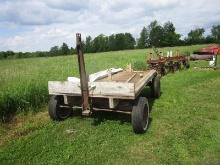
point(111, 110)
point(83, 77)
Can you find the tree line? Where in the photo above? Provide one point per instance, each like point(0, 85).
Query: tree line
point(159, 35)
point(54, 51)
point(155, 34)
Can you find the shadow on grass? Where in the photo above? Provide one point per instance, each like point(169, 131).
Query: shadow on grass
point(102, 116)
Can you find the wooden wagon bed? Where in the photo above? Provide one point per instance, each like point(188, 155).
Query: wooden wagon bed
point(114, 90)
point(122, 85)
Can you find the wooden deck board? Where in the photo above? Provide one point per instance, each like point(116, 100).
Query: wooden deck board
point(124, 85)
point(125, 75)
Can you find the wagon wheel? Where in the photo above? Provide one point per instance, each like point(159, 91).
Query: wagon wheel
point(155, 87)
point(140, 115)
point(167, 69)
point(171, 67)
point(55, 111)
point(163, 70)
point(176, 66)
point(179, 66)
point(186, 64)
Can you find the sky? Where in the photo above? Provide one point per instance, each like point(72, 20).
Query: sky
point(31, 25)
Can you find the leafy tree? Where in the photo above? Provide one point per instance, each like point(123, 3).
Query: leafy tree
point(88, 45)
point(120, 42)
point(64, 49)
point(54, 51)
point(156, 34)
point(72, 51)
point(19, 55)
point(2, 56)
point(171, 38)
point(142, 41)
point(83, 45)
point(130, 41)
point(100, 43)
point(9, 53)
point(209, 39)
point(41, 54)
point(196, 36)
point(216, 33)
point(112, 42)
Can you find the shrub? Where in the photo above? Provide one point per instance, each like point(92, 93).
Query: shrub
point(139, 65)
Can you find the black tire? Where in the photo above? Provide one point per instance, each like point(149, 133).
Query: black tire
point(140, 115)
point(175, 66)
point(171, 67)
point(187, 65)
point(163, 70)
point(55, 111)
point(155, 87)
point(178, 66)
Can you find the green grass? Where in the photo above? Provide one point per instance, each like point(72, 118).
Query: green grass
point(23, 82)
point(184, 127)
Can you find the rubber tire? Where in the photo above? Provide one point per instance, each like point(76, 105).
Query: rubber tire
point(163, 71)
point(179, 66)
point(171, 67)
point(187, 65)
point(55, 111)
point(140, 115)
point(155, 87)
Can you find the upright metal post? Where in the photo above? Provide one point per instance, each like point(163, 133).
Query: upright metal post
point(83, 77)
point(216, 60)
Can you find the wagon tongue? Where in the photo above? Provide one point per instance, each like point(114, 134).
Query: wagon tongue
point(83, 78)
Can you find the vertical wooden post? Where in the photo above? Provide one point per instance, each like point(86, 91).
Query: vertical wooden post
point(83, 77)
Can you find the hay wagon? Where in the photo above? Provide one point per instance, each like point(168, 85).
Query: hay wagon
point(113, 90)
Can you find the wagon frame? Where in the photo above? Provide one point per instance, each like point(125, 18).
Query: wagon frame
point(117, 92)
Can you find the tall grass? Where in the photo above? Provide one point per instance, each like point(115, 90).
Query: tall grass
point(23, 82)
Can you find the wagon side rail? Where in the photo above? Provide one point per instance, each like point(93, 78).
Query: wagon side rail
point(145, 80)
point(120, 90)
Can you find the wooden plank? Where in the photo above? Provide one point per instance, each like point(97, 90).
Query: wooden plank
point(143, 81)
point(131, 77)
point(112, 89)
point(64, 87)
point(104, 73)
point(113, 103)
point(118, 77)
point(97, 89)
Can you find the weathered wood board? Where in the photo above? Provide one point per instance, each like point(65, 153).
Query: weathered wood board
point(96, 89)
point(147, 77)
point(122, 85)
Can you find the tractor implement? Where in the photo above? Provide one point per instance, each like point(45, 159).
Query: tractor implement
point(164, 64)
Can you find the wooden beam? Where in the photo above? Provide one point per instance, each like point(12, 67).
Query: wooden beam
point(97, 89)
point(113, 103)
point(130, 78)
point(144, 80)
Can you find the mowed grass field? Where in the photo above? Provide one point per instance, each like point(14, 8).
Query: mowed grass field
point(184, 127)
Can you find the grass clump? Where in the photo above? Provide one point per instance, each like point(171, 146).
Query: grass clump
point(33, 96)
point(139, 65)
